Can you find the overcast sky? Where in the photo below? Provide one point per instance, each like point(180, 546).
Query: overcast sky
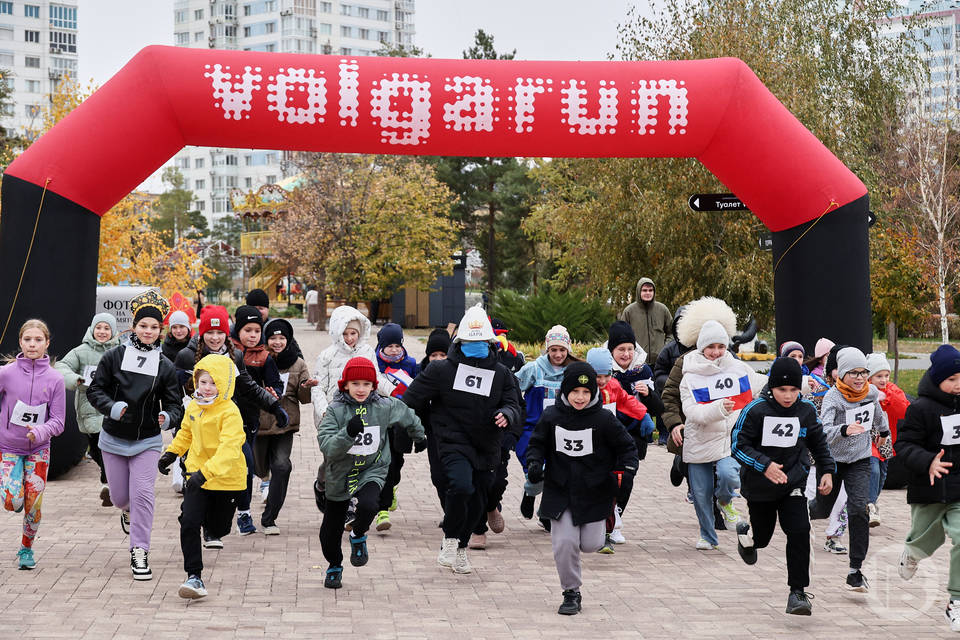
point(111, 31)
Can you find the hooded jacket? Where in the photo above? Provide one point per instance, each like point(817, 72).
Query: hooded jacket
point(754, 457)
point(331, 360)
point(651, 321)
point(919, 441)
point(294, 394)
point(264, 372)
point(582, 484)
point(462, 421)
point(345, 471)
point(212, 434)
point(75, 364)
point(638, 371)
point(34, 383)
point(539, 382)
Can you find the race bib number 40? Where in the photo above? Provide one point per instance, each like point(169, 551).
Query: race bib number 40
point(366, 442)
point(951, 429)
point(474, 380)
point(26, 415)
point(863, 415)
point(574, 443)
point(780, 432)
point(145, 362)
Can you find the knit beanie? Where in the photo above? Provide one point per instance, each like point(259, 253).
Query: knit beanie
point(179, 319)
point(278, 326)
point(848, 359)
point(214, 317)
point(822, 347)
point(391, 333)
point(358, 368)
point(557, 337)
point(258, 298)
point(149, 304)
point(832, 358)
point(620, 332)
point(789, 346)
point(944, 362)
point(712, 332)
point(601, 360)
point(877, 362)
point(785, 372)
point(109, 319)
point(498, 327)
point(439, 340)
point(247, 314)
point(579, 374)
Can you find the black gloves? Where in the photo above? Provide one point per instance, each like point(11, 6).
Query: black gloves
point(282, 418)
point(535, 471)
point(508, 440)
point(355, 426)
point(195, 481)
point(420, 445)
point(167, 459)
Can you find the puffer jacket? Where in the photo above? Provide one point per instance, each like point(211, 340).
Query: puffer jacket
point(651, 322)
point(331, 360)
point(920, 438)
point(294, 395)
point(34, 383)
point(211, 434)
point(79, 365)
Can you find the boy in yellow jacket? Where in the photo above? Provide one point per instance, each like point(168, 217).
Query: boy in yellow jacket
point(211, 435)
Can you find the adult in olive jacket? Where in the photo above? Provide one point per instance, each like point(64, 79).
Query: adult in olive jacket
point(652, 321)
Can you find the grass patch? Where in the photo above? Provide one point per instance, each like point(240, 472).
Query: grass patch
point(909, 379)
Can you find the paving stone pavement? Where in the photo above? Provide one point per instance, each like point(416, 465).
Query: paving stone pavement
point(655, 586)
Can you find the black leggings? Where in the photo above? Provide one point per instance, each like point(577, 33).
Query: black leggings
point(93, 440)
point(466, 497)
point(497, 488)
point(331, 530)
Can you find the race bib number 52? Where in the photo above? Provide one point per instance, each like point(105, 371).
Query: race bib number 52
point(574, 443)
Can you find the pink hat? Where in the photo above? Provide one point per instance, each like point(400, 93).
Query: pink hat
point(823, 347)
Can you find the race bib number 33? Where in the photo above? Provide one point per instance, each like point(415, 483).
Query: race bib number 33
point(474, 380)
point(574, 443)
point(951, 429)
point(780, 432)
point(145, 362)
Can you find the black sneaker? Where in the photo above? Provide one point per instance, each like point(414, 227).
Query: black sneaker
point(571, 603)
point(856, 581)
point(745, 543)
point(545, 523)
point(526, 506)
point(798, 603)
point(333, 579)
point(719, 522)
point(139, 564)
point(677, 471)
point(358, 551)
point(320, 495)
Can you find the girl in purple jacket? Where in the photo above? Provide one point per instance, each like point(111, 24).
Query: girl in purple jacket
point(31, 412)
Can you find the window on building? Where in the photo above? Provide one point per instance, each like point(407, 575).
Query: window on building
point(363, 12)
point(248, 160)
point(325, 29)
point(231, 182)
point(219, 205)
point(271, 179)
point(271, 27)
point(31, 10)
point(198, 163)
point(383, 16)
point(271, 158)
point(230, 31)
point(247, 31)
point(182, 163)
point(326, 7)
point(345, 10)
point(383, 37)
point(63, 41)
point(64, 65)
point(344, 51)
point(8, 110)
point(31, 110)
point(6, 33)
point(270, 5)
point(198, 36)
point(6, 7)
point(247, 10)
point(63, 17)
point(346, 32)
point(198, 14)
point(32, 86)
point(6, 60)
point(248, 183)
point(228, 10)
point(231, 160)
point(199, 184)
point(182, 38)
point(363, 34)
point(180, 15)
point(271, 47)
point(31, 36)
point(31, 62)
point(200, 205)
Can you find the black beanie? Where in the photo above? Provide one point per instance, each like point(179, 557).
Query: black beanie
point(832, 358)
point(619, 333)
point(278, 326)
point(579, 374)
point(245, 315)
point(785, 372)
point(439, 340)
point(258, 298)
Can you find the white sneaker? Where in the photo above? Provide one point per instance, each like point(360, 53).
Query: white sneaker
point(460, 563)
point(874, 514)
point(616, 537)
point(264, 491)
point(952, 614)
point(139, 564)
point(908, 565)
point(448, 552)
point(272, 530)
point(703, 545)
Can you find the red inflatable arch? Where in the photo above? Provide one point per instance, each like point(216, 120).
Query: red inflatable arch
point(166, 97)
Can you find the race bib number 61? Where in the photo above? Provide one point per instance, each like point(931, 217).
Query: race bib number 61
point(474, 380)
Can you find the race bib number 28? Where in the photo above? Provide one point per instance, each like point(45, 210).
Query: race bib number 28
point(574, 443)
point(366, 442)
point(145, 362)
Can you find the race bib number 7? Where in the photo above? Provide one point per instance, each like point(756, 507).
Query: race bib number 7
point(367, 442)
point(780, 432)
point(951, 429)
point(574, 443)
point(143, 362)
point(474, 380)
point(26, 415)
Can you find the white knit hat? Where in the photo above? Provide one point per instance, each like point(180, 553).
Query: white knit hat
point(877, 362)
point(848, 359)
point(179, 318)
point(475, 326)
point(712, 332)
point(558, 336)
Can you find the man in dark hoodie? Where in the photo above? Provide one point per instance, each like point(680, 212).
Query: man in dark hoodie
point(651, 320)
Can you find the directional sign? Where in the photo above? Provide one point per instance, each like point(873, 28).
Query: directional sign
point(871, 218)
point(716, 202)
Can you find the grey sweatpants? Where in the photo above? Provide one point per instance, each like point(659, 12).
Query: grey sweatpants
point(568, 541)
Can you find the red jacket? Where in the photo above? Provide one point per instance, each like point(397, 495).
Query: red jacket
point(895, 405)
point(627, 404)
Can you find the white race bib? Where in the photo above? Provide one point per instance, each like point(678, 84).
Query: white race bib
point(723, 385)
point(145, 362)
point(611, 407)
point(549, 402)
point(780, 432)
point(26, 415)
point(951, 429)
point(366, 442)
point(284, 379)
point(574, 443)
point(87, 375)
point(863, 415)
point(474, 380)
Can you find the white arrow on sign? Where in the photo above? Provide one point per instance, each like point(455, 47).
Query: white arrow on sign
point(696, 202)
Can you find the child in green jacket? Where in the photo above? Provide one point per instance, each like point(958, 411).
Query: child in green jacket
point(353, 439)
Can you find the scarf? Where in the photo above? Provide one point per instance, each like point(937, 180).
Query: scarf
point(849, 394)
point(137, 344)
point(392, 359)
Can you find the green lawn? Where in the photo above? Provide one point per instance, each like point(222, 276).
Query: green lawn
point(909, 379)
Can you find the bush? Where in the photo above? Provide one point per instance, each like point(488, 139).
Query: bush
point(530, 317)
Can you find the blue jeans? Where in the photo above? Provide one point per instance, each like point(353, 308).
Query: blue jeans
point(700, 475)
point(878, 475)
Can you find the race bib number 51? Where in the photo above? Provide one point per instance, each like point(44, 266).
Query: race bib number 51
point(474, 380)
point(574, 443)
point(951, 429)
point(144, 362)
point(780, 432)
point(27, 415)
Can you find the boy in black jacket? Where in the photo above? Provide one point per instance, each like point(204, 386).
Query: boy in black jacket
point(771, 440)
point(580, 451)
point(928, 444)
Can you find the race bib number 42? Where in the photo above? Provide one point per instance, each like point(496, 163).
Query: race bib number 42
point(474, 380)
point(26, 415)
point(145, 362)
point(366, 442)
point(780, 432)
point(574, 443)
point(951, 429)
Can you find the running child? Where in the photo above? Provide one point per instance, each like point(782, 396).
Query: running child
point(178, 335)
point(894, 403)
